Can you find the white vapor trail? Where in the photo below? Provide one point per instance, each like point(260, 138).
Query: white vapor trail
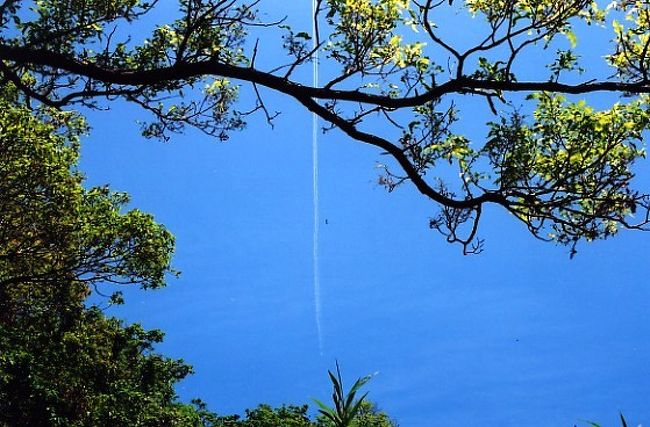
point(314, 149)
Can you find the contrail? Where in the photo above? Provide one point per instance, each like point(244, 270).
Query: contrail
point(314, 150)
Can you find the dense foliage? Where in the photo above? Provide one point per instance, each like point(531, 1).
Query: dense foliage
point(295, 416)
point(397, 75)
point(61, 361)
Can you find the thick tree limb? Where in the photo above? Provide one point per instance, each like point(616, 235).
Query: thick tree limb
point(422, 186)
point(189, 70)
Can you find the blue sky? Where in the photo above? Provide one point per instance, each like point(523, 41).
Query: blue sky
point(519, 335)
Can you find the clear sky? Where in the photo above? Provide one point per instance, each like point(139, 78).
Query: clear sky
point(519, 335)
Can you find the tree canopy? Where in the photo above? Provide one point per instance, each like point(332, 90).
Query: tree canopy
point(63, 362)
point(294, 416)
point(559, 164)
